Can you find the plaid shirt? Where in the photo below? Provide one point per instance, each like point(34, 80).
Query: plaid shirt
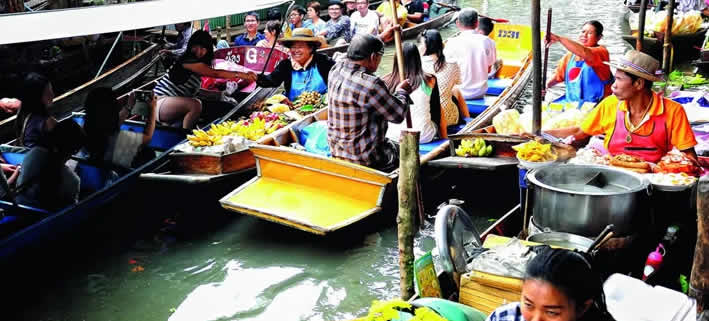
point(360, 106)
point(508, 312)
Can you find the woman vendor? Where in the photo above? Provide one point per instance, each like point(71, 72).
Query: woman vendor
point(582, 69)
point(306, 70)
point(558, 285)
point(635, 120)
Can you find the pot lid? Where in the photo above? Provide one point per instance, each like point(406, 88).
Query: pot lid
point(588, 180)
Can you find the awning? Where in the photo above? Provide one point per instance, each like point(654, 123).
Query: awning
point(54, 24)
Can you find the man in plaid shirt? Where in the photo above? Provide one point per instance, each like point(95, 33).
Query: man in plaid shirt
point(360, 106)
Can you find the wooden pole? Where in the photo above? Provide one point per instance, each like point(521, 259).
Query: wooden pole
point(537, 85)
point(408, 207)
point(546, 54)
point(699, 279)
point(228, 29)
point(667, 47)
point(641, 26)
point(399, 52)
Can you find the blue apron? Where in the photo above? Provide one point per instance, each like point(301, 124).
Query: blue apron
point(306, 80)
point(586, 87)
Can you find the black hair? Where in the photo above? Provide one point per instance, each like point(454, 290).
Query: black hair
point(30, 94)
point(64, 140)
point(364, 45)
point(273, 26)
point(571, 273)
point(274, 14)
point(468, 17)
point(413, 72)
point(434, 45)
point(596, 25)
point(485, 25)
point(102, 113)
point(647, 84)
point(179, 74)
point(298, 8)
point(253, 14)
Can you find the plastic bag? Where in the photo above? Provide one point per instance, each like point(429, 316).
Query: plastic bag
point(314, 138)
point(506, 260)
point(426, 279)
point(507, 122)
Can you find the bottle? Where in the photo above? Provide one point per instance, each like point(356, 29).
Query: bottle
point(653, 262)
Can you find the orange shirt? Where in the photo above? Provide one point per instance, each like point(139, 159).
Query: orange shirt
point(601, 120)
point(602, 70)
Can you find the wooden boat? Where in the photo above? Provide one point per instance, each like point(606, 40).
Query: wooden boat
point(321, 195)
point(118, 78)
point(408, 33)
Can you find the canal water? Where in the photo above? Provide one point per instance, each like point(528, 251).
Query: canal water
point(238, 267)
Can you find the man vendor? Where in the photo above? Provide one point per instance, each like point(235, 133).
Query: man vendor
point(635, 120)
point(360, 106)
point(306, 70)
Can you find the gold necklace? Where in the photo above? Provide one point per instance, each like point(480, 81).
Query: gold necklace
point(633, 128)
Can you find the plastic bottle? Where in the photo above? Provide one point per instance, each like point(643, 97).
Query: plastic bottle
point(653, 262)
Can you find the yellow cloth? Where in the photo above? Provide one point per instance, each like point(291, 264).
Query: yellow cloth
point(385, 9)
point(601, 120)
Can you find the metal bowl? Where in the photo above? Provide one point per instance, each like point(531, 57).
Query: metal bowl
point(564, 201)
point(563, 240)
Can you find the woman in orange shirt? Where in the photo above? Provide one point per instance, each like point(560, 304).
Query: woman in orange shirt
point(635, 120)
point(582, 69)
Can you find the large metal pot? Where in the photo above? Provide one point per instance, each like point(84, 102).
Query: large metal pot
point(583, 199)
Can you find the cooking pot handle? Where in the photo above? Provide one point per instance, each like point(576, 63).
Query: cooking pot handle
point(649, 190)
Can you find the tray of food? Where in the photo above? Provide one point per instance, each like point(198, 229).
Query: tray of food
point(671, 182)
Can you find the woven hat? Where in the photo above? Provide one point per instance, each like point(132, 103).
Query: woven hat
point(302, 34)
point(638, 64)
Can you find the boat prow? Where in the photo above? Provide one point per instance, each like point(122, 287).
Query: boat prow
point(313, 193)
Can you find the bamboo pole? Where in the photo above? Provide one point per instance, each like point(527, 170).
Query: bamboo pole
point(546, 54)
point(399, 52)
point(641, 26)
point(667, 47)
point(537, 85)
point(699, 279)
point(408, 207)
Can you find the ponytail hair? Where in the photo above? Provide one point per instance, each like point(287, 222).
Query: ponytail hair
point(571, 273)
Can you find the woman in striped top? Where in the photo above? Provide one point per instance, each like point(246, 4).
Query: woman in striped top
point(175, 92)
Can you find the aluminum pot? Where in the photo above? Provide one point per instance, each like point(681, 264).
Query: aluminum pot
point(564, 240)
point(584, 199)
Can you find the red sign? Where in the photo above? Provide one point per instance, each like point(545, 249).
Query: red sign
point(251, 57)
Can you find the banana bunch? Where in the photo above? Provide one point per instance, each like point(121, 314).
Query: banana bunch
point(251, 130)
point(477, 147)
point(202, 138)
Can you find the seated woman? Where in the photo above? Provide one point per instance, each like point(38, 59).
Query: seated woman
point(33, 119)
point(583, 68)
point(105, 141)
point(306, 70)
point(316, 24)
point(45, 181)
point(558, 285)
point(426, 109)
point(175, 92)
point(430, 45)
point(270, 33)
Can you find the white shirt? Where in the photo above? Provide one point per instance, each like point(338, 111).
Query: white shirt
point(474, 54)
point(360, 25)
point(420, 118)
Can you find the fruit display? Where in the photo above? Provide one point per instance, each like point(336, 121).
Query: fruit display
point(309, 101)
point(256, 126)
point(507, 122)
point(473, 148)
point(533, 151)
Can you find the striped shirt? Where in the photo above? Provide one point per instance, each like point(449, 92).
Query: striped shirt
point(360, 106)
point(508, 312)
point(169, 87)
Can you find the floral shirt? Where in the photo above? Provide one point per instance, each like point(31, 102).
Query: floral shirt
point(339, 29)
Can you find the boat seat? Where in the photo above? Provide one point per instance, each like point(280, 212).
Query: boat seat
point(477, 106)
point(456, 128)
point(496, 86)
point(428, 147)
point(13, 158)
point(163, 139)
point(93, 178)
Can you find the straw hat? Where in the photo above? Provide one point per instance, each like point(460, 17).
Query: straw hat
point(638, 64)
point(302, 34)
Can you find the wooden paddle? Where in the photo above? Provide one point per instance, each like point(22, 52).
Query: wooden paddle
point(546, 54)
point(457, 8)
point(278, 34)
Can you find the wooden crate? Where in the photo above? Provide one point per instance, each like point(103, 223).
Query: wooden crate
point(204, 163)
point(487, 292)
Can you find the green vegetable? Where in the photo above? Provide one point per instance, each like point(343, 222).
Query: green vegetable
point(307, 108)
